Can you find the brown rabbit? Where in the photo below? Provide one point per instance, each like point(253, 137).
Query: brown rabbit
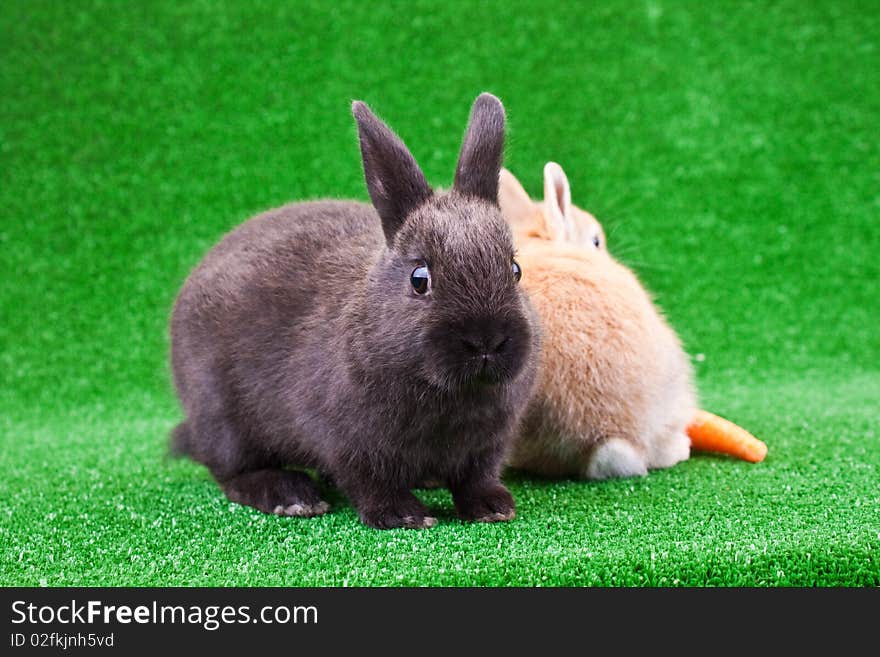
point(615, 390)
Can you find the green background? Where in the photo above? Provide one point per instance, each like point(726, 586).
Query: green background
point(731, 150)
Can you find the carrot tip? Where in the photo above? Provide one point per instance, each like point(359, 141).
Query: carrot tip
point(711, 433)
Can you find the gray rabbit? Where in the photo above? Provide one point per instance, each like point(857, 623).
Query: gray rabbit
point(382, 346)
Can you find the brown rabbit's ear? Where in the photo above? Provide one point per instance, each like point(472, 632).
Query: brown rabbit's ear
point(557, 202)
point(479, 162)
point(516, 206)
point(396, 184)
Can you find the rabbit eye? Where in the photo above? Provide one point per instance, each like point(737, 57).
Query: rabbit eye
point(596, 241)
point(517, 271)
point(420, 279)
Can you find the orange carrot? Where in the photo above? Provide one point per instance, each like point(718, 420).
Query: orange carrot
point(711, 433)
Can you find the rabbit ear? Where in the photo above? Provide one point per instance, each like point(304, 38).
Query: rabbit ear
point(516, 206)
point(396, 183)
point(557, 202)
point(479, 162)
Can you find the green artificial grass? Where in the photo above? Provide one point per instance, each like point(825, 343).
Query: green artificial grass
point(730, 149)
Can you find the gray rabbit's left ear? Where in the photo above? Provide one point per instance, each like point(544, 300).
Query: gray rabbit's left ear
point(479, 162)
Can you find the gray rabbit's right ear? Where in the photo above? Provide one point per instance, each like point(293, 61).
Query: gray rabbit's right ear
point(395, 182)
point(479, 162)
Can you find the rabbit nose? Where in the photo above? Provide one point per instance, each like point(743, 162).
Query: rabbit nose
point(486, 346)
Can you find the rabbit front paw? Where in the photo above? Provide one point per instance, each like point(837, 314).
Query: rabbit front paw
point(404, 510)
point(492, 503)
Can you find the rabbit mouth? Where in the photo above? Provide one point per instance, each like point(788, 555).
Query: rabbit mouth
point(490, 370)
point(462, 360)
point(473, 374)
point(488, 366)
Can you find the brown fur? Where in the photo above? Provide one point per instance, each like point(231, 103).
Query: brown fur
point(610, 366)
